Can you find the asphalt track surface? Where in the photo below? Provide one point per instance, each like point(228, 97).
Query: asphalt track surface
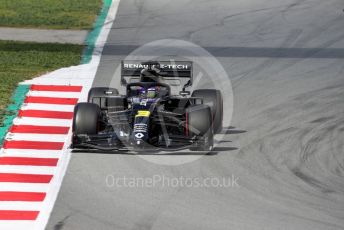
point(285, 144)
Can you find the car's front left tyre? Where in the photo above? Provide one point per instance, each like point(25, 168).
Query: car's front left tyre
point(86, 119)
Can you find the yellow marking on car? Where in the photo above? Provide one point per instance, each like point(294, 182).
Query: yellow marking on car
point(142, 113)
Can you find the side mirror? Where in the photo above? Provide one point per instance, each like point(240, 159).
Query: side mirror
point(184, 93)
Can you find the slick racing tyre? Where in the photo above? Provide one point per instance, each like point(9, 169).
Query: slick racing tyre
point(86, 119)
point(199, 124)
point(212, 98)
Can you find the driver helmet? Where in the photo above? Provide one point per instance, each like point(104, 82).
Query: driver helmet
point(152, 92)
point(141, 92)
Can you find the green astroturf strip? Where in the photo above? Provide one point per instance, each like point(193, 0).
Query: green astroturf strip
point(49, 14)
point(24, 60)
point(21, 91)
point(93, 35)
point(17, 100)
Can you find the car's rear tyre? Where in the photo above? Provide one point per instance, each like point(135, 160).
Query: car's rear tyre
point(212, 98)
point(86, 119)
point(199, 123)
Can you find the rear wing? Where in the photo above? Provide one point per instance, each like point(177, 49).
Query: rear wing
point(170, 70)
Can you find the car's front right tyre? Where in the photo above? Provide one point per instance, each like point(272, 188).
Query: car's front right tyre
point(199, 125)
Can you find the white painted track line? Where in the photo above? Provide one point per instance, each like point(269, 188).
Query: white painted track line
point(20, 205)
point(36, 137)
point(23, 169)
point(54, 94)
point(24, 187)
point(30, 153)
point(42, 121)
point(82, 75)
point(39, 106)
point(9, 225)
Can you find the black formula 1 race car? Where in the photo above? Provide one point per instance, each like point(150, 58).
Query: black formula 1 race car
point(149, 117)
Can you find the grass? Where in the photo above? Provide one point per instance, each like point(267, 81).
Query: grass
point(20, 61)
point(49, 14)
